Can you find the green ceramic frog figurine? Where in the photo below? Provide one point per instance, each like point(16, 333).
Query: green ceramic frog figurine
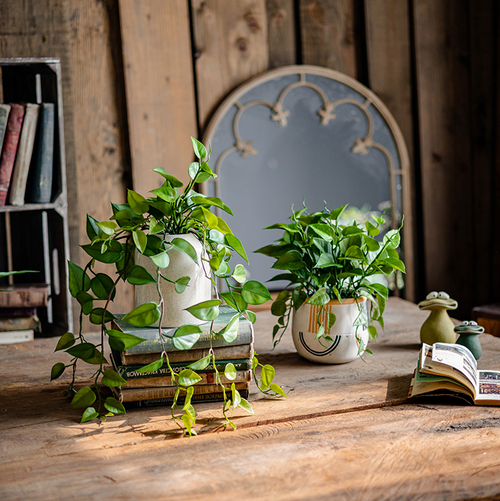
point(438, 328)
point(468, 332)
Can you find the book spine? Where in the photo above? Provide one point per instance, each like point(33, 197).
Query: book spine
point(132, 395)
point(13, 337)
point(19, 323)
point(207, 378)
point(9, 149)
point(188, 356)
point(4, 116)
point(195, 399)
point(23, 297)
point(41, 177)
point(24, 154)
point(154, 345)
point(130, 371)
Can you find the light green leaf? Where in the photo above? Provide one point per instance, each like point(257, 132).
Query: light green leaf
point(354, 252)
point(236, 245)
point(201, 364)
point(236, 396)
point(396, 263)
point(266, 376)
point(251, 316)
point(244, 404)
point(171, 179)
point(140, 240)
point(187, 377)
point(108, 227)
point(161, 260)
point(319, 298)
point(144, 315)
point(239, 273)
point(231, 330)
point(199, 149)
point(186, 336)
point(277, 389)
point(325, 260)
point(206, 310)
point(137, 202)
point(254, 292)
point(152, 367)
point(122, 341)
point(372, 330)
point(181, 284)
point(230, 372)
point(89, 414)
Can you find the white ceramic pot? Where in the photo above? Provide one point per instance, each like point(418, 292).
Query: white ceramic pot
point(344, 347)
point(175, 304)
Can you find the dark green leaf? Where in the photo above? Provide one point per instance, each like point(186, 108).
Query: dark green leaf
point(114, 406)
point(112, 255)
point(325, 260)
point(185, 247)
point(102, 286)
point(137, 275)
point(396, 263)
point(67, 340)
point(137, 202)
point(93, 229)
point(122, 341)
point(171, 179)
point(99, 315)
point(111, 378)
point(291, 260)
point(57, 370)
point(78, 280)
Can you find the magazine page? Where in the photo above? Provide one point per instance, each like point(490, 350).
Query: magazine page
point(426, 383)
point(448, 363)
point(459, 357)
point(489, 387)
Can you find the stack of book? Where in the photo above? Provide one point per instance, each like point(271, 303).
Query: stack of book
point(18, 312)
point(156, 388)
point(27, 151)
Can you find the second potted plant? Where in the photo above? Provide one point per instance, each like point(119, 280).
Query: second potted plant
point(337, 285)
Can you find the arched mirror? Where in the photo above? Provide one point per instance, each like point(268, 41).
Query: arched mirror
point(306, 134)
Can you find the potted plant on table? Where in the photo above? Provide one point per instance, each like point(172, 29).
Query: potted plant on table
point(336, 282)
point(174, 246)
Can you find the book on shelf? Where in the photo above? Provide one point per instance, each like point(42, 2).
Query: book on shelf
point(9, 149)
point(242, 351)
point(19, 323)
point(41, 170)
point(14, 337)
point(23, 155)
point(24, 296)
point(26, 311)
point(130, 371)
point(152, 343)
point(153, 393)
point(4, 115)
point(451, 370)
point(195, 399)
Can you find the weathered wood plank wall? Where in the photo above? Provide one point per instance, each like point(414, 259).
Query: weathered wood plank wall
point(433, 62)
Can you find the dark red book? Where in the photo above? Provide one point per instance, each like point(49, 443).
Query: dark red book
point(9, 149)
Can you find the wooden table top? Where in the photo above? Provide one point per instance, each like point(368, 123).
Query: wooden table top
point(345, 431)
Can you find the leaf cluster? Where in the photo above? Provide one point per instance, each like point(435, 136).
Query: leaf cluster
point(142, 225)
point(323, 259)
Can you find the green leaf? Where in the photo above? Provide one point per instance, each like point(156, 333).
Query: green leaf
point(137, 202)
point(231, 330)
point(185, 247)
point(244, 404)
point(266, 376)
point(277, 389)
point(144, 315)
point(83, 398)
point(140, 240)
point(78, 280)
point(193, 170)
point(122, 341)
point(161, 260)
point(152, 367)
point(108, 227)
point(206, 310)
point(319, 298)
point(200, 364)
point(239, 273)
point(93, 229)
point(393, 237)
point(236, 245)
point(114, 406)
point(102, 286)
point(278, 308)
point(381, 290)
point(290, 260)
point(254, 292)
point(199, 149)
point(354, 252)
point(187, 377)
point(252, 317)
point(96, 316)
point(137, 275)
point(395, 263)
point(332, 318)
point(67, 340)
point(236, 396)
point(325, 231)
point(371, 244)
point(186, 336)
point(230, 372)
point(372, 330)
point(171, 179)
point(57, 370)
point(186, 419)
point(325, 260)
point(89, 414)
point(181, 284)
point(113, 254)
point(111, 378)
point(88, 353)
point(234, 300)
point(86, 302)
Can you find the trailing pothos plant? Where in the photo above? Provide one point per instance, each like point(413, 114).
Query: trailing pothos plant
point(326, 260)
point(141, 225)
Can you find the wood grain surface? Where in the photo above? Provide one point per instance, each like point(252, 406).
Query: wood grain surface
point(344, 431)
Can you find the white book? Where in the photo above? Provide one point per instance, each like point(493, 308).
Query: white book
point(13, 337)
point(24, 154)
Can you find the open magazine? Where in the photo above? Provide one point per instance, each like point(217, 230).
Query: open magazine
point(451, 369)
